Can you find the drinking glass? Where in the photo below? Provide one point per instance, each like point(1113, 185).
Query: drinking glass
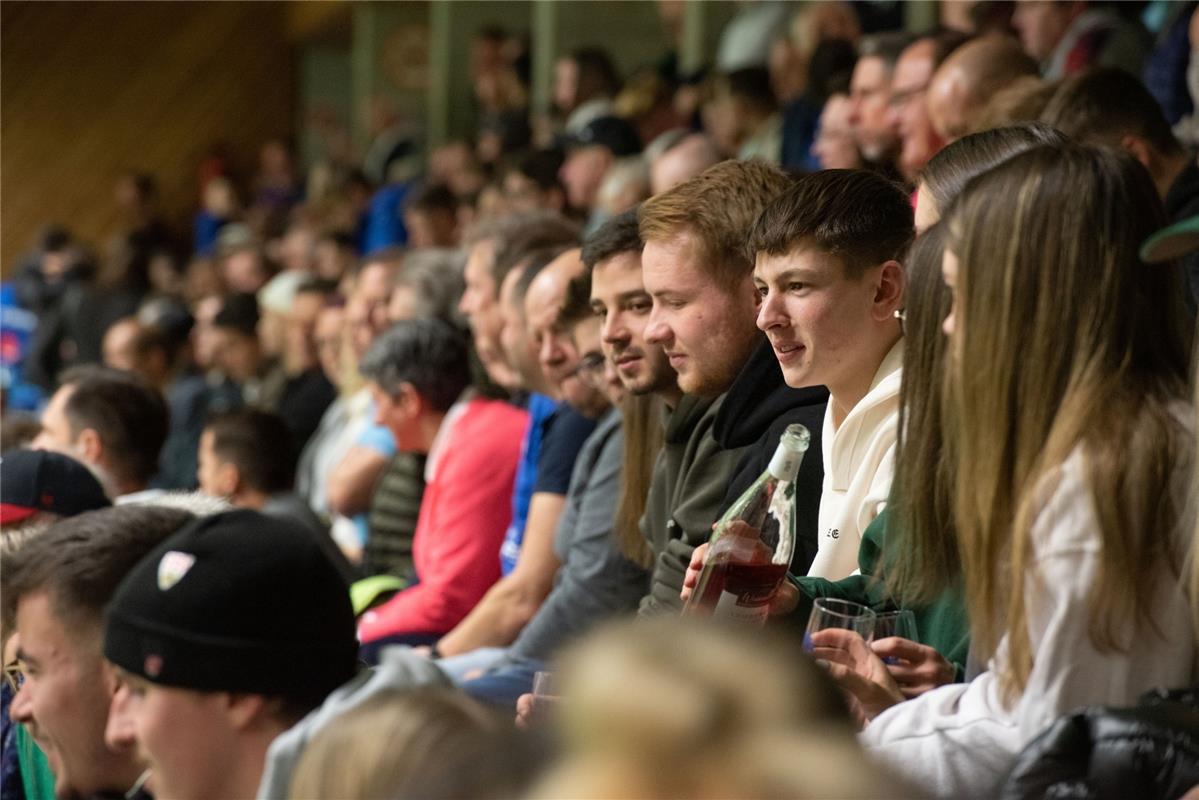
point(831, 613)
point(900, 623)
point(545, 695)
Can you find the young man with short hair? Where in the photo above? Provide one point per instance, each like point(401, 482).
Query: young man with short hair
point(37, 489)
point(619, 300)
point(533, 298)
point(496, 249)
point(56, 588)
point(431, 217)
point(1111, 107)
point(596, 581)
point(240, 354)
point(111, 421)
point(246, 457)
point(227, 634)
point(829, 276)
point(698, 274)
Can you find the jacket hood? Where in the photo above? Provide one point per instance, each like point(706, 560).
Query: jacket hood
point(679, 423)
point(758, 397)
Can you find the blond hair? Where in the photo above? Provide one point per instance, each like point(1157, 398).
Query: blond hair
point(717, 208)
point(672, 707)
point(374, 749)
point(1064, 342)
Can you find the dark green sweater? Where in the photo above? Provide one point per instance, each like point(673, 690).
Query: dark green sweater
point(942, 625)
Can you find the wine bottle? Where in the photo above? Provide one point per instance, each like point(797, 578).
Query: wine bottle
point(751, 545)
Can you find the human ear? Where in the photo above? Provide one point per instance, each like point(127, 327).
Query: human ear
point(1136, 147)
point(89, 445)
point(228, 479)
point(409, 400)
point(242, 710)
point(888, 290)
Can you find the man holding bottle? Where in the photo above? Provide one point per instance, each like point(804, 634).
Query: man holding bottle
point(699, 278)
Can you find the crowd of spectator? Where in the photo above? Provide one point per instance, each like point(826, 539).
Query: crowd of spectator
point(323, 492)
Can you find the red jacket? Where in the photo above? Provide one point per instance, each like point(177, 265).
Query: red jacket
point(464, 513)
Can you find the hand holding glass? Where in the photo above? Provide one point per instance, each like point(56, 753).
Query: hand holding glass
point(831, 613)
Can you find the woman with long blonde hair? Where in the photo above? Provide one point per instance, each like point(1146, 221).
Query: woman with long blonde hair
point(1074, 440)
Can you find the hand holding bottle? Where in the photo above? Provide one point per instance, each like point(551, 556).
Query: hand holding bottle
point(784, 601)
point(746, 560)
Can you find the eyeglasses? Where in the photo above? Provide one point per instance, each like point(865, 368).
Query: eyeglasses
point(136, 789)
point(901, 314)
point(13, 676)
point(590, 370)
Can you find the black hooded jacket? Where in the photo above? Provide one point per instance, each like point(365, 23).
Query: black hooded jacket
point(757, 409)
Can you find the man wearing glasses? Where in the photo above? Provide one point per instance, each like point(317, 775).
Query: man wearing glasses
point(908, 114)
point(596, 579)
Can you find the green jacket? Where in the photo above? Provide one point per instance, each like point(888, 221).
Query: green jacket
point(942, 625)
point(36, 776)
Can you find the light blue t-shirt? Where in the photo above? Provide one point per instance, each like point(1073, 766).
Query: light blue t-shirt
point(380, 439)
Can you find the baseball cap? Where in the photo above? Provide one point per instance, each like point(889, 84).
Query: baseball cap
point(33, 481)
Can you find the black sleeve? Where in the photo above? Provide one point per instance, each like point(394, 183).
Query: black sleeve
point(560, 445)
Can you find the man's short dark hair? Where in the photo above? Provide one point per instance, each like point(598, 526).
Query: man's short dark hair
point(752, 86)
point(621, 234)
point(150, 338)
point(578, 301)
point(945, 41)
point(597, 73)
point(886, 46)
point(259, 444)
point(532, 267)
point(129, 415)
point(239, 312)
point(541, 167)
point(80, 561)
point(1105, 104)
point(322, 286)
point(433, 197)
point(429, 354)
point(857, 216)
point(392, 256)
point(532, 231)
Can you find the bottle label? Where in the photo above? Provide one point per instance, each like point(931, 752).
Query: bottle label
point(785, 464)
point(731, 606)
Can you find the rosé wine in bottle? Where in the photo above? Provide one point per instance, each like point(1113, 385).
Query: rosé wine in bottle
point(752, 544)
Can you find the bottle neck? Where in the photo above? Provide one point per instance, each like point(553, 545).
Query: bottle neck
point(784, 465)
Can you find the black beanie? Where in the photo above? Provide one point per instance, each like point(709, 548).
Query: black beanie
point(236, 602)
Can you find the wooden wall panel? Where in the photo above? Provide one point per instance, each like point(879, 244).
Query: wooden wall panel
point(91, 89)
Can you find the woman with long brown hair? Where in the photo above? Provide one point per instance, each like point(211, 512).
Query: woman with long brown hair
point(1068, 393)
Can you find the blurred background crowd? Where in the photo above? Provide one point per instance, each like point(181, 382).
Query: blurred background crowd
point(213, 282)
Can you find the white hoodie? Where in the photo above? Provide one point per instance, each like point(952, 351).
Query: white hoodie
point(960, 740)
point(859, 460)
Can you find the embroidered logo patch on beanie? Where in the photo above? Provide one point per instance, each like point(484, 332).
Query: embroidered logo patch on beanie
point(153, 666)
point(172, 567)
